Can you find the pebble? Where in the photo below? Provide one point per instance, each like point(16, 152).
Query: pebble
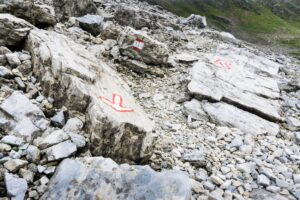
point(263, 180)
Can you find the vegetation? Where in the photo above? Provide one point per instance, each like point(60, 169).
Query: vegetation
point(253, 21)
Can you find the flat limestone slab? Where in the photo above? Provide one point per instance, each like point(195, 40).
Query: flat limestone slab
point(102, 178)
point(119, 128)
point(240, 78)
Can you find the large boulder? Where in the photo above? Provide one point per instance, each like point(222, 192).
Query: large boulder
point(239, 78)
point(195, 21)
point(32, 11)
point(100, 178)
point(12, 29)
point(139, 46)
point(119, 128)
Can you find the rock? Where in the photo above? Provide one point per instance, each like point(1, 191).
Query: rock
point(195, 21)
point(293, 123)
point(77, 139)
point(194, 110)
point(297, 136)
point(32, 154)
point(273, 189)
point(20, 83)
point(91, 23)
point(196, 158)
point(32, 11)
point(228, 115)
point(85, 84)
point(139, 46)
point(201, 175)
point(4, 147)
point(55, 137)
point(15, 187)
point(197, 187)
point(60, 151)
point(27, 175)
point(296, 178)
point(216, 180)
point(14, 165)
point(209, 185)
point(216, 194)
point(58, 120)
point(263, 180)
point(282, 183)
point(228, 76)
point(101, 178)
point(185, 58)
point(12, 140)
point(137, 66)
point(5, 73)
point(68, 8)
point(236, 142)
point(73, 125)
point(13, 59)
point(13, 29)
point(27, 116)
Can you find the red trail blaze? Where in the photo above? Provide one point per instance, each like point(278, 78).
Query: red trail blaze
point(116, 103)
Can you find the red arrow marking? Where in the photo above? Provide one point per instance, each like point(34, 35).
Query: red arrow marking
point(116, 103)
point(223, 63)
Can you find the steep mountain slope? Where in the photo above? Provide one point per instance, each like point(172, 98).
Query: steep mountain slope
point(275, 22)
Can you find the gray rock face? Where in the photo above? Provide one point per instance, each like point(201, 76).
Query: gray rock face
point(228, 115)
point(31, 11)
point(99, 178)
point(13, 29)
point(230, 76)
point(137, 45)
point(119, 128)
point(16, 187)
point(26, 116)
point(93, 24)
point(195, 21)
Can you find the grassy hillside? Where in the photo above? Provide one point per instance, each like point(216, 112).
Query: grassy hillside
point(252, 21)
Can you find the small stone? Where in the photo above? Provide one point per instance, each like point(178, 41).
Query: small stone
point(5, 73)
point(55, 137)
point(50, 170)
point(14, 165)
point(216, 180)
point(197, 187)
point(13, 59)
point(216, 194)
point(20, 83)
point(16, 187)
point(4, 147)
point(77, 139)
point(33, 194)
point(293, 123)
point(58, 120)
point(296, 178)
point(273, 189)
point(263, 180)
point(176, 153)
point(201, 175)
point(61, 150)
point(225, 170)
point(32, 153)
point(73, 125)
point(26, 174)
point(41, 169)
point(196, 158)
point(236, 142)
point(209, 185)
point(12, 140)
point(282, 183)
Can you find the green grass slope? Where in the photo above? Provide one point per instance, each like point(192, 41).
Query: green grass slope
point(252, 21)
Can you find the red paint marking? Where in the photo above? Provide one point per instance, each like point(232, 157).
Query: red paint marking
point(116, 103)
point(138, 45)
point(223, 63)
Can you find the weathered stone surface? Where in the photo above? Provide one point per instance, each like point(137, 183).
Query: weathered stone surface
point(149, 50)
point(93, 24)
point(100, 178)
point(16, 187)
point(26, 117)
point(60, 151)
point(228, 115)
point(13, 29)
point(73, 125)
point(32, 11)
point(53, 138)
point(12, 140)
point(240, 78)
point(195, 21)
point(14, 165)
point(77, 80)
